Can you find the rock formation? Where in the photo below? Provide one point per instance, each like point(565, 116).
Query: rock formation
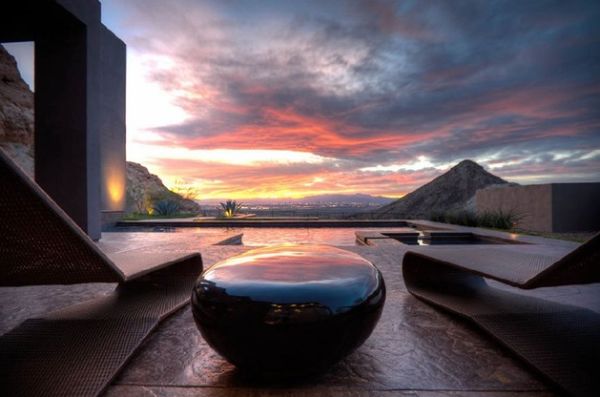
point(451, 191)
point(16, 139)
point(16, 113)
point(144, 188)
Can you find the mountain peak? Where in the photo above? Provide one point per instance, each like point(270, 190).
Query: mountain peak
point(450, 191)
point(467, 163)
point(469, 169)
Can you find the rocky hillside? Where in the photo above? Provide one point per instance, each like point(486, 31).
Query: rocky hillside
point(143, 188)
point(16, 139)
point(16, 113)
point(451, 191)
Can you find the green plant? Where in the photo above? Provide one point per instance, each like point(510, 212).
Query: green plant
point(165, 207)
point(137, 216)
point(466, 218)
point(491, 219)
point(498, 219)
point(230, 208)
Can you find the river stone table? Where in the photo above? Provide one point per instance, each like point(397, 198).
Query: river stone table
point(289, 310)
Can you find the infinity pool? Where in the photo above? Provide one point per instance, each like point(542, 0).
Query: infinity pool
point(332, 236)
point(276, 235)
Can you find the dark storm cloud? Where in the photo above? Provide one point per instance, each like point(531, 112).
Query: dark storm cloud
point(381, 82)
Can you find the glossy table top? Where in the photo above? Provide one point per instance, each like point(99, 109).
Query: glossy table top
point(293, 273)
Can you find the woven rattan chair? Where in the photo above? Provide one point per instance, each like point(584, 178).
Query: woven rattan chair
point(77, 350)
point(560, 341)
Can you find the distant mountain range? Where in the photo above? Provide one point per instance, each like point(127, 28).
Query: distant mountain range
point(451, 191)
point(357, 198)
point(349, 199)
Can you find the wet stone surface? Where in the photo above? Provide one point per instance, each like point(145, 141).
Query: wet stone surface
point(415, 350)
point(414, 347)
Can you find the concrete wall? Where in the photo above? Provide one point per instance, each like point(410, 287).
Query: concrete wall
point(79, 104)
point(110, 218)
point(563, 207)
point(575, 207)
point(112, 122)
point(61, 141)
point(533, 204)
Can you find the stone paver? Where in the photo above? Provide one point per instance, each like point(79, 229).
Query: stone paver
point(415, 350)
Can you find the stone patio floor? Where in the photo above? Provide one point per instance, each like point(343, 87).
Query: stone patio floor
point(415, 350)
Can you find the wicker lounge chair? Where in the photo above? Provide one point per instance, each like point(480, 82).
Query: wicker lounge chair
point(562, 342)
point(77, 350)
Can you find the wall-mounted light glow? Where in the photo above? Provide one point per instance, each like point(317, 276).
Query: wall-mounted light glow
point(114, 188)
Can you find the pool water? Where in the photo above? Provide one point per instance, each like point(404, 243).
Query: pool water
point(332, 236)
point(467, 239)
point(340, 236)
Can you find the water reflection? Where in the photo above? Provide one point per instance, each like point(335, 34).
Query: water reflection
point(288, 274)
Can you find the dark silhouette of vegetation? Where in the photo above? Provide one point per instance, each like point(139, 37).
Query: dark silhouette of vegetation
point(165, 207)
point(230, 208)
point(494, 219)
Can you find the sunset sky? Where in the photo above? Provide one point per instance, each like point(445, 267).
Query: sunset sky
point(247, 99)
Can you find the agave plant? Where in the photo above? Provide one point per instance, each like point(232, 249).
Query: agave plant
point(165, 207)
point(230, 208)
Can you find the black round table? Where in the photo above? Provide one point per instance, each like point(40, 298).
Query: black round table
point(288, 310)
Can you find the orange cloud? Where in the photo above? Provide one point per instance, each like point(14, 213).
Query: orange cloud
point(341, 87)
point(287, 129)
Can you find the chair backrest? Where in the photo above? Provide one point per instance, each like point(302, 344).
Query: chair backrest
point(39, 243)
point(580, 266)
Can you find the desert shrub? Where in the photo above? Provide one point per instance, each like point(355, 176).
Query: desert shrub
point(437, 216)
point(465, 218)
point(185, 190)
point(498, 219)
point(494, 219)
point(165, 207)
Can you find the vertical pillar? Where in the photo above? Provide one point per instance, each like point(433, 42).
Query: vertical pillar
point(112, 125)
point(66, 142)
point(79, 104)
